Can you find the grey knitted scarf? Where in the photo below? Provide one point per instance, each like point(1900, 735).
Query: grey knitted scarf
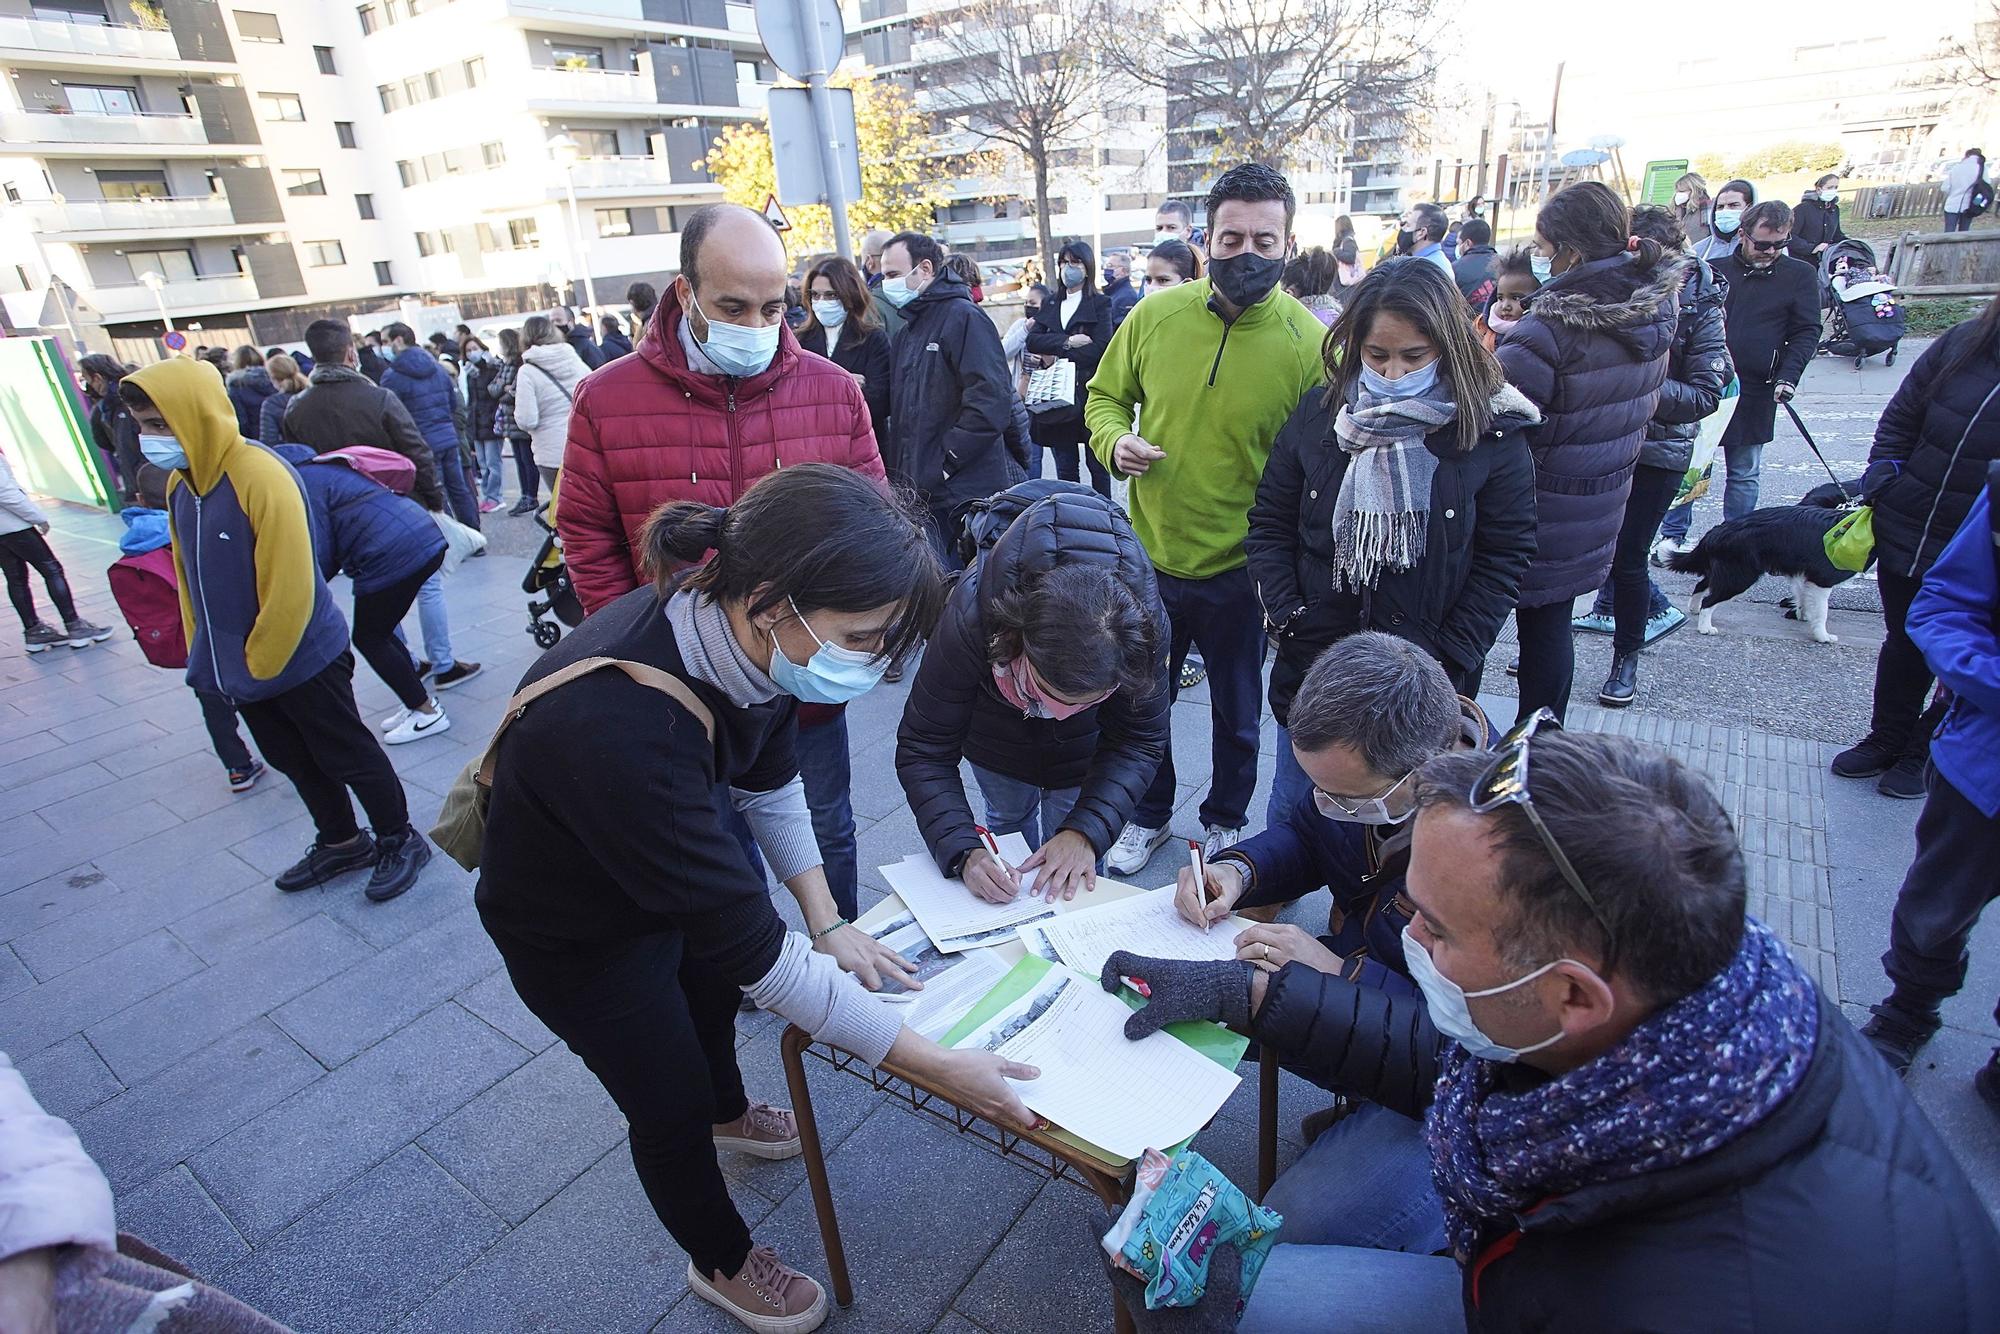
point(1383, 510)
point(708, 646)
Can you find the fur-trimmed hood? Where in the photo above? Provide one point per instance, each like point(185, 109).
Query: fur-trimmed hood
point(1512, 410)
point(1617, 297)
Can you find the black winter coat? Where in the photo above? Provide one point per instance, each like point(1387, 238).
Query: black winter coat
point(866, 356)
point(1698, 370)
point(1814, 223)
point(1590, 354)
point(1842, 1211)
point(117, 433)
point(1920, 494)
point(955, 710)
point(1122, 296)
point(1478, 544)
point(614, 346)
point(1048, 337)
point(340, 407)
point(950, 398)
point(586, 347)
point(1773, 317)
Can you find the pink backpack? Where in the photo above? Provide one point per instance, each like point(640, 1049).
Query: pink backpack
point(149, 596)
point(383, 466)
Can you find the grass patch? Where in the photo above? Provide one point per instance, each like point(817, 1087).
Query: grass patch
point(1930, 316)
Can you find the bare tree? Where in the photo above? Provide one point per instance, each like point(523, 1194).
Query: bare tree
point(1281, 80)
point(1978, 57)
point(1020, 76)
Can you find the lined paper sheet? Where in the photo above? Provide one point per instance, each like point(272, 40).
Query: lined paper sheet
point(1121, 1095)
point(953, 916)
point(953, 983)
point(1146, 924)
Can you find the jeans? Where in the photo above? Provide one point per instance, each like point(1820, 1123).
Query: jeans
point(492, 478)
point(659, 1032)
point(1289, 784)
point(1366, 1181)
point(1742, 465)
point(525, 470)
point(218, 715)
point(376, 616)
point(1548, 657)
point(457, 491)
point(827, 770)
point(1354, 1290)
point(1015, 807)
point(1636, 598)
point(1947, 887)
point(1902, 677)
point(1221, 617)
point(25, 550)
point(1957, 222)
point(313, 735)
point(437, 625)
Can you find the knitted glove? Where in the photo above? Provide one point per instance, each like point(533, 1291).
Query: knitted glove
point(1182, 990)
point(1217, 1311)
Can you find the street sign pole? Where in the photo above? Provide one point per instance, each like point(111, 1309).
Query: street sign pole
point(823, 125)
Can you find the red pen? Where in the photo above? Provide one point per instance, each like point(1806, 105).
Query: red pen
point(1137, 985)
point(993, 846)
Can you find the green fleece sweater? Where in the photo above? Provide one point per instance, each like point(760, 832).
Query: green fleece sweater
point(1213, 397)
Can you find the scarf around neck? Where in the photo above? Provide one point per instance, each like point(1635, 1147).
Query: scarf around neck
point(1383, 511)
point(709, 649)
point(1687, 1081)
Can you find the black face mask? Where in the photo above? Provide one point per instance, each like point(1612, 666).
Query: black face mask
point(1245, 279)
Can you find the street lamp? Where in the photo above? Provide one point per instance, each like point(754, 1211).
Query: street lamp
point(156, 284)
point(566, 150)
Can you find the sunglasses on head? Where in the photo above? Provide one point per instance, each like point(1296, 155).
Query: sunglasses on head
point(1505, 783)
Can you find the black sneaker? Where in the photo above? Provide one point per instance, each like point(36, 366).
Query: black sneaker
point(1987, 1082)
point(401, 857)
point(1193, 673)
point(82, 633)
point(242, 780)
point(1865, 758)
point(457, 674)
point(523, 506)
point(42, 636)
point(322, 863)
point(1514, 665)
point(1899, 1033)
point(1622, 685)
point(1904, 781)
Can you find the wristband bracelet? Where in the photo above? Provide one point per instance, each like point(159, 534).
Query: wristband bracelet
point(838, 922)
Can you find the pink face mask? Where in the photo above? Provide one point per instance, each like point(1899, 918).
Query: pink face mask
point(1017, 686)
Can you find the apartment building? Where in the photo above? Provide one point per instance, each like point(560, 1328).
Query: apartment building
point(241, 171)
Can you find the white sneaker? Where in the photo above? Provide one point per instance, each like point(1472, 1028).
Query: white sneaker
point(1666, 547)
point(1134, 846)
point(1214, 838)
point(394, 720)
point(418, 726)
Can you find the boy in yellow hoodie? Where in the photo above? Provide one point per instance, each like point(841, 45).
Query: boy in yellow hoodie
point(262, 627)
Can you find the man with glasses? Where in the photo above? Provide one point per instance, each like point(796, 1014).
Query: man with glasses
point(1641, 1112)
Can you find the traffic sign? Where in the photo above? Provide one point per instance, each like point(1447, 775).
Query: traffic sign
point(173, 340)
point(799, 155)
point(787, 28)
point(775, 215)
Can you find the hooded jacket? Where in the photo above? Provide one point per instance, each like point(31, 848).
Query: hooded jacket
point(1590, 354)
point(955, 710)
point(586, 348)
point(1716, 244)
point(1814, 223)
point(1955, 622)
point(425, 388)
point(614, 346)
point(248, 388)
point(950, 398)
point(256, 611)
point(544, 392)
point(1698, 370)
point(361, 528)
point(344, 407)
point(648, 429)
point(1932, 447)
point(1477, 546)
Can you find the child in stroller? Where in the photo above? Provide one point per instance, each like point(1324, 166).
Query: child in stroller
point(549, 576)
point(1864, 315)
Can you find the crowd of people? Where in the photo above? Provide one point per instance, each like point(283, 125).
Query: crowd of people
point(1572, 1085)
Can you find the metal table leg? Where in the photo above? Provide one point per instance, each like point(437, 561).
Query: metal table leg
point(792, 1047)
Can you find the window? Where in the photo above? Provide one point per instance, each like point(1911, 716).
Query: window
point(324, 55)
point(391, 97)
point(87, 99)
point(255, 26)
point(365, 206)
point(433, 164)
point(614, 222)
point(433, 84)
point(88, 13)
point(413, 90)
point(454, 161)
point(371, 23)
point(382, 278)
point(578, 57)
point(114, 184)
point(596, 143)
point(522, 233)
point(343, 130)
point(487, 240)
point(494, 154)
point(303, 181)
point(426, 245)
point(176, 266)
point(447, 242)
point(407, 171)
point(475, 71)
point(324, 254)
point(282, 106)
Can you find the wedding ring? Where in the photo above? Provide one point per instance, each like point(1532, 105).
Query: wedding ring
point(1267, 954)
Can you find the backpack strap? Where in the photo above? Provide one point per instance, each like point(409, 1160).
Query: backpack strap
point(651, 677)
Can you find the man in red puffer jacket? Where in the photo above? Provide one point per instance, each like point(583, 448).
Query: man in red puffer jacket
point(718, 394)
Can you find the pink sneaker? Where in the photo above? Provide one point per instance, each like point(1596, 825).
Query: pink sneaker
point(767, 1295)
point(763, 1131)
point(488, 506)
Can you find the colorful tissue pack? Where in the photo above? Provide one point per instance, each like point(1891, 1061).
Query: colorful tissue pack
point(1181, 1210)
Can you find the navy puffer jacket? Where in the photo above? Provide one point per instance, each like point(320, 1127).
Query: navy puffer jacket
point(1591, 354)
point(955, 710)
point(248, 388)
point(1698, 370)
point(360, 527)
point(416, 378)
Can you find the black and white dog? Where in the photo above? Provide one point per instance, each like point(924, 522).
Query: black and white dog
point(1787, 540)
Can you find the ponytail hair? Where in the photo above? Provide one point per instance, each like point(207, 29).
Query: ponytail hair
point(1589, 219)
point(1082, 627)
point(823, 536)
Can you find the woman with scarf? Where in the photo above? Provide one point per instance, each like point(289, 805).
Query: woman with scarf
point(1399, 497)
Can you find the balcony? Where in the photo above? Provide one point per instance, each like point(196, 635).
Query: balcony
point(134, 301)
point(130, 215)
point(625, 173)
point(109, 41)
point(150, 128)
point(589, 85)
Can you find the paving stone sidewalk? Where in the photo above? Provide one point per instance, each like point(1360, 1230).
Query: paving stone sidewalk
point(341, 1112)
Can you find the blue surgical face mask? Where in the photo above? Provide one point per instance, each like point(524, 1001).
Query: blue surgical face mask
point(1450, 1014)
point(1411, 384)
point(830, 314)
point(737, 349)
point(896, 291)
point(1544, 267)
point(163, 451)
point(833, 675)
point(1727, 220)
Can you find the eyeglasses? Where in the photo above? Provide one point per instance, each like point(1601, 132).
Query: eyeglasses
point(1364, 810)
point(1766, 247)
point(1505, 783)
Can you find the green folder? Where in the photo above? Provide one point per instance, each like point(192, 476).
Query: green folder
point(1212, 1040)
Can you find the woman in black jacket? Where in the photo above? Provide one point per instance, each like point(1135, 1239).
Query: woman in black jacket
point(1073, 324)
point(1049, 673)
point(840, 308)
point(1932, 446)
point(1816, 219)
point(1338, 545)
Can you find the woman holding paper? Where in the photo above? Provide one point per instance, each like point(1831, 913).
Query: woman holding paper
point(629, 919)
point(1049, 673)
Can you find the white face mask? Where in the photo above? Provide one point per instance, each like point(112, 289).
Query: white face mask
point(1450, 1014)
point(1829, 196)
point(830, 314)
point(1682, 196)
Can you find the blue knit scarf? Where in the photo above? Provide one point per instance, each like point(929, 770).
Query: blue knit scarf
point(1687, 1081)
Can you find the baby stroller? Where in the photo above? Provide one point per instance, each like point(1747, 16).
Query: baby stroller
point(1866, 318)
point(549, 577)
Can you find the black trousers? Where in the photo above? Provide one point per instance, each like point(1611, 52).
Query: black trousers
point(313, 735)
point(218, 715)
point(524, 466)
point(376, 616)
point(1548, 657)
point(1065, 436)
point(26, 550)
point(658, 1029)
point(1955, 875)
point(1631, 586)
point(1902, 677)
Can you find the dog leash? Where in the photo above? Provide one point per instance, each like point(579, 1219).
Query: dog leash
point(1793, 413)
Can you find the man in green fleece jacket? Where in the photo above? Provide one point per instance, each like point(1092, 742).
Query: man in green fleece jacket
point(1213, 368)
